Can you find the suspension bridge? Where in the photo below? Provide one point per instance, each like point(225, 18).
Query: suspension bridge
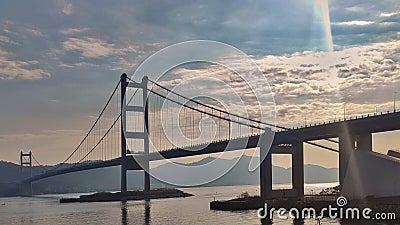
point(146, 121)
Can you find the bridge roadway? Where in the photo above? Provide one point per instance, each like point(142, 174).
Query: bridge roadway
point(361, 125)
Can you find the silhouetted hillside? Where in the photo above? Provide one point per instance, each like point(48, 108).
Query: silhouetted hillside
point(108, 179)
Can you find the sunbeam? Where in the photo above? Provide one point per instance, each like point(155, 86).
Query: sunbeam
point(323, 7)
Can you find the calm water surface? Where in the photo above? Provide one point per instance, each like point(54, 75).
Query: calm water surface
point(46, 209)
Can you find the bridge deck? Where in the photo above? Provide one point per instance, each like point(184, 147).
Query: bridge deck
point(371, 124)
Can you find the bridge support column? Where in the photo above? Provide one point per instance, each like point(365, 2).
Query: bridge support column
point(146, 136)
point(364, 142)
point(265, 172)
point(346, 147)
point(266, 164)
point(298, 169)
point(124, 84)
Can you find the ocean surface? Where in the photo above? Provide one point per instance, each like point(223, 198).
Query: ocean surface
point(45, 209)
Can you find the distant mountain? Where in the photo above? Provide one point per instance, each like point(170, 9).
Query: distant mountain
point(108, 179)
point(240, 175)
point(318, 174)
point(9, 172)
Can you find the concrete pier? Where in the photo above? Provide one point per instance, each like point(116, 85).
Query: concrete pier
point(296, 150)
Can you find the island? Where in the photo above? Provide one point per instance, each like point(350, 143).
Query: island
point(130, 195)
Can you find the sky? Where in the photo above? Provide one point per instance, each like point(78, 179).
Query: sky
point(59, 60)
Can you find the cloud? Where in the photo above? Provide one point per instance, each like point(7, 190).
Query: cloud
point(34, 32)
point(67, 9)
point(389, 14)
point(94, 48)
point(364, 77)
point(6, 40)
point(313, 83)
point(17, 29)
point(41, 134)
point(354, 23)
point(355, 9)
point(90, 52)
point(89, 47)
point(70, 31)
point(75, 65)
point(16, 69)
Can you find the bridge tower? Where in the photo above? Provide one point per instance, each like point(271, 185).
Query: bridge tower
point(25, 160)
point(143, 135)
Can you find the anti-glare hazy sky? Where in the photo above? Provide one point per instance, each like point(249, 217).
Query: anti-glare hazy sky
point(59, 60)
